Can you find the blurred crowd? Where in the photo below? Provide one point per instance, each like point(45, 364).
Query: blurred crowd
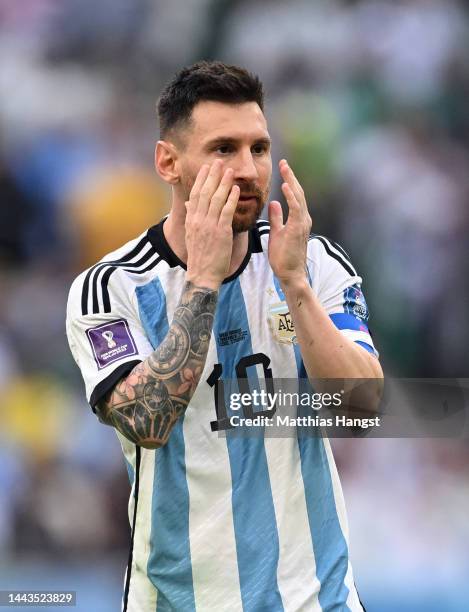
point(367, 100)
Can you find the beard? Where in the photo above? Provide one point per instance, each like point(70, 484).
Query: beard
point(247, 212)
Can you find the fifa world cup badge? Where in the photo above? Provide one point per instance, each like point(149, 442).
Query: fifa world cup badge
point(281, 323)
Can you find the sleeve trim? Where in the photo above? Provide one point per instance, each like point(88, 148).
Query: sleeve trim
point(110, 381)
point(368, 348)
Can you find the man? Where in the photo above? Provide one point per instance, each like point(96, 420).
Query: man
point(218, 522)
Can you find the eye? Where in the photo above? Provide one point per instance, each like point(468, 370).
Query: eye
point(260, 148)
point(224, 149)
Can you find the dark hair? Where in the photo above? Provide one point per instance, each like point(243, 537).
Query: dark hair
point(211, 81)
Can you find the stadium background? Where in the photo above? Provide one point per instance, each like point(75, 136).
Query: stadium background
point(368, 101)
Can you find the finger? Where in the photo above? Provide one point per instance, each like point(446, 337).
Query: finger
point(275, 216)
point(289, 176)
point(294, 208)
point(300, 196)
point(288, 173)
point(226, 215)
point(196, 187)
point(209, 187)
point(220, 196)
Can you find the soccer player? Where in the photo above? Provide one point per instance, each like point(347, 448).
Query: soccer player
point(222, 523)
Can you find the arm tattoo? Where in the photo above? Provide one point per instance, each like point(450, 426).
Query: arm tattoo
point(146, 404)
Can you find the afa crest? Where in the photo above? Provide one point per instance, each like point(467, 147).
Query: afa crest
point(281, 323)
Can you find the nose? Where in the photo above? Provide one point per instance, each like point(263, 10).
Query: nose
point(244, 166)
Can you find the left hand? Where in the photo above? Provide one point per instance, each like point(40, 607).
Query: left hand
point(288, 242)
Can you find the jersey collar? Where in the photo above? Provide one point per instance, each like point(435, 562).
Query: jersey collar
point(158, 240)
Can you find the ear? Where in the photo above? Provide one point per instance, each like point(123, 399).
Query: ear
point(166, 161)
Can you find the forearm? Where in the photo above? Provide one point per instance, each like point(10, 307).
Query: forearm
point(328, 355)
point(146, 404)
point(326, 352)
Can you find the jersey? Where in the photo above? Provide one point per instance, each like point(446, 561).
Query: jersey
point(219, 524)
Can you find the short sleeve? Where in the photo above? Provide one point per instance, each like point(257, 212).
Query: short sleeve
point(106, 342)
point(339, 289)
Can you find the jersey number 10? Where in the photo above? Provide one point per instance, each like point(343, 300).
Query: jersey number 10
point(215, 381)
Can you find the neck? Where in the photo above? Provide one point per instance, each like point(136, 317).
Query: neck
point(174, 232)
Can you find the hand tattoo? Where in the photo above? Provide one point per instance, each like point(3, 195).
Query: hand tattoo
point(146, 404)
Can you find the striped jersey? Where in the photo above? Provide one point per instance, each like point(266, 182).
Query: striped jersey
point(222, 523)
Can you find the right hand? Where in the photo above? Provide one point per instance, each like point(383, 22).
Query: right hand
point(209, 235)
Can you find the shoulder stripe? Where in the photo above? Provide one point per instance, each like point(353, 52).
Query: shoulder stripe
point(264, 230)
point(86, 284)
point(112, 266)
point(262, 222)
point(148, 268)
point(107, 274)
point(342, 250)
point(337, 255)
point(93, 273)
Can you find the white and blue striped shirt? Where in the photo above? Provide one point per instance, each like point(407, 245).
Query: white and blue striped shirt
point(220, 523)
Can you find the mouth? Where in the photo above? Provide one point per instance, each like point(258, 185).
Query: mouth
point(246, 198)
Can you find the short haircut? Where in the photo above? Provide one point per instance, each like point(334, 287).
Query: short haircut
point(205, 81)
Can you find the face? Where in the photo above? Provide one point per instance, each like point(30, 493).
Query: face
point(237, 134)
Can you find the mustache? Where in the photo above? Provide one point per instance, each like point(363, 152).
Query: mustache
point(250, 189)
